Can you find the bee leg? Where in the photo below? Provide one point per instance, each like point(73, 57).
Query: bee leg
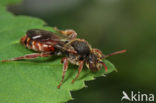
point(81, 63)
point(69, 49)
point(29, 56)
point(104, 65)
point(65, 67)
point(69, 32)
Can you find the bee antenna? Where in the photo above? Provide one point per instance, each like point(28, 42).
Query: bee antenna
point(114, 53)
point(104, 65)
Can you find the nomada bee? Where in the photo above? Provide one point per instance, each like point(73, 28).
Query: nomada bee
point(75, 50)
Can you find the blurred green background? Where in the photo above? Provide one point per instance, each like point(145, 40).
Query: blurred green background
point(109, 25)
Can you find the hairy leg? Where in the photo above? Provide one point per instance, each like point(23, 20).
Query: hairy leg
point(69, 32)
point(104, 65)
point(81, 63)
point(65, 67)
point(29, 56)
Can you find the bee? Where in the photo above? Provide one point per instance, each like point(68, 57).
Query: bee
point(75, 50)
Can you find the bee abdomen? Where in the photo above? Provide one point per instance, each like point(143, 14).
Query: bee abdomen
point(36, 46)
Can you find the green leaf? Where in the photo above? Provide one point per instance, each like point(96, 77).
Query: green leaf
point(33, 81)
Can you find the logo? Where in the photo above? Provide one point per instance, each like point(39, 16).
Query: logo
point(137, 96)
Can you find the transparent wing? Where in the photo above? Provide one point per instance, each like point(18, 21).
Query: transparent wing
point(44, 36)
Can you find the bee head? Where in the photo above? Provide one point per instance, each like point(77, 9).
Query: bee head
point(94, 60)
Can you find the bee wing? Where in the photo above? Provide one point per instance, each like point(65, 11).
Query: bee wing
point(44, 36)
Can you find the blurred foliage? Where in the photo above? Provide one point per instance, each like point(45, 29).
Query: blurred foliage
point(111, 25)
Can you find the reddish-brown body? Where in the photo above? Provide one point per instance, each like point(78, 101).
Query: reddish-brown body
point(36, 45)
point(76, 51)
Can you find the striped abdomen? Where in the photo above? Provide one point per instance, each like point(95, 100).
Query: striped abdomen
point(36, 45)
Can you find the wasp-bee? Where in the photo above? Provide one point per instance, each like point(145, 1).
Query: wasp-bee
point(75, 50)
